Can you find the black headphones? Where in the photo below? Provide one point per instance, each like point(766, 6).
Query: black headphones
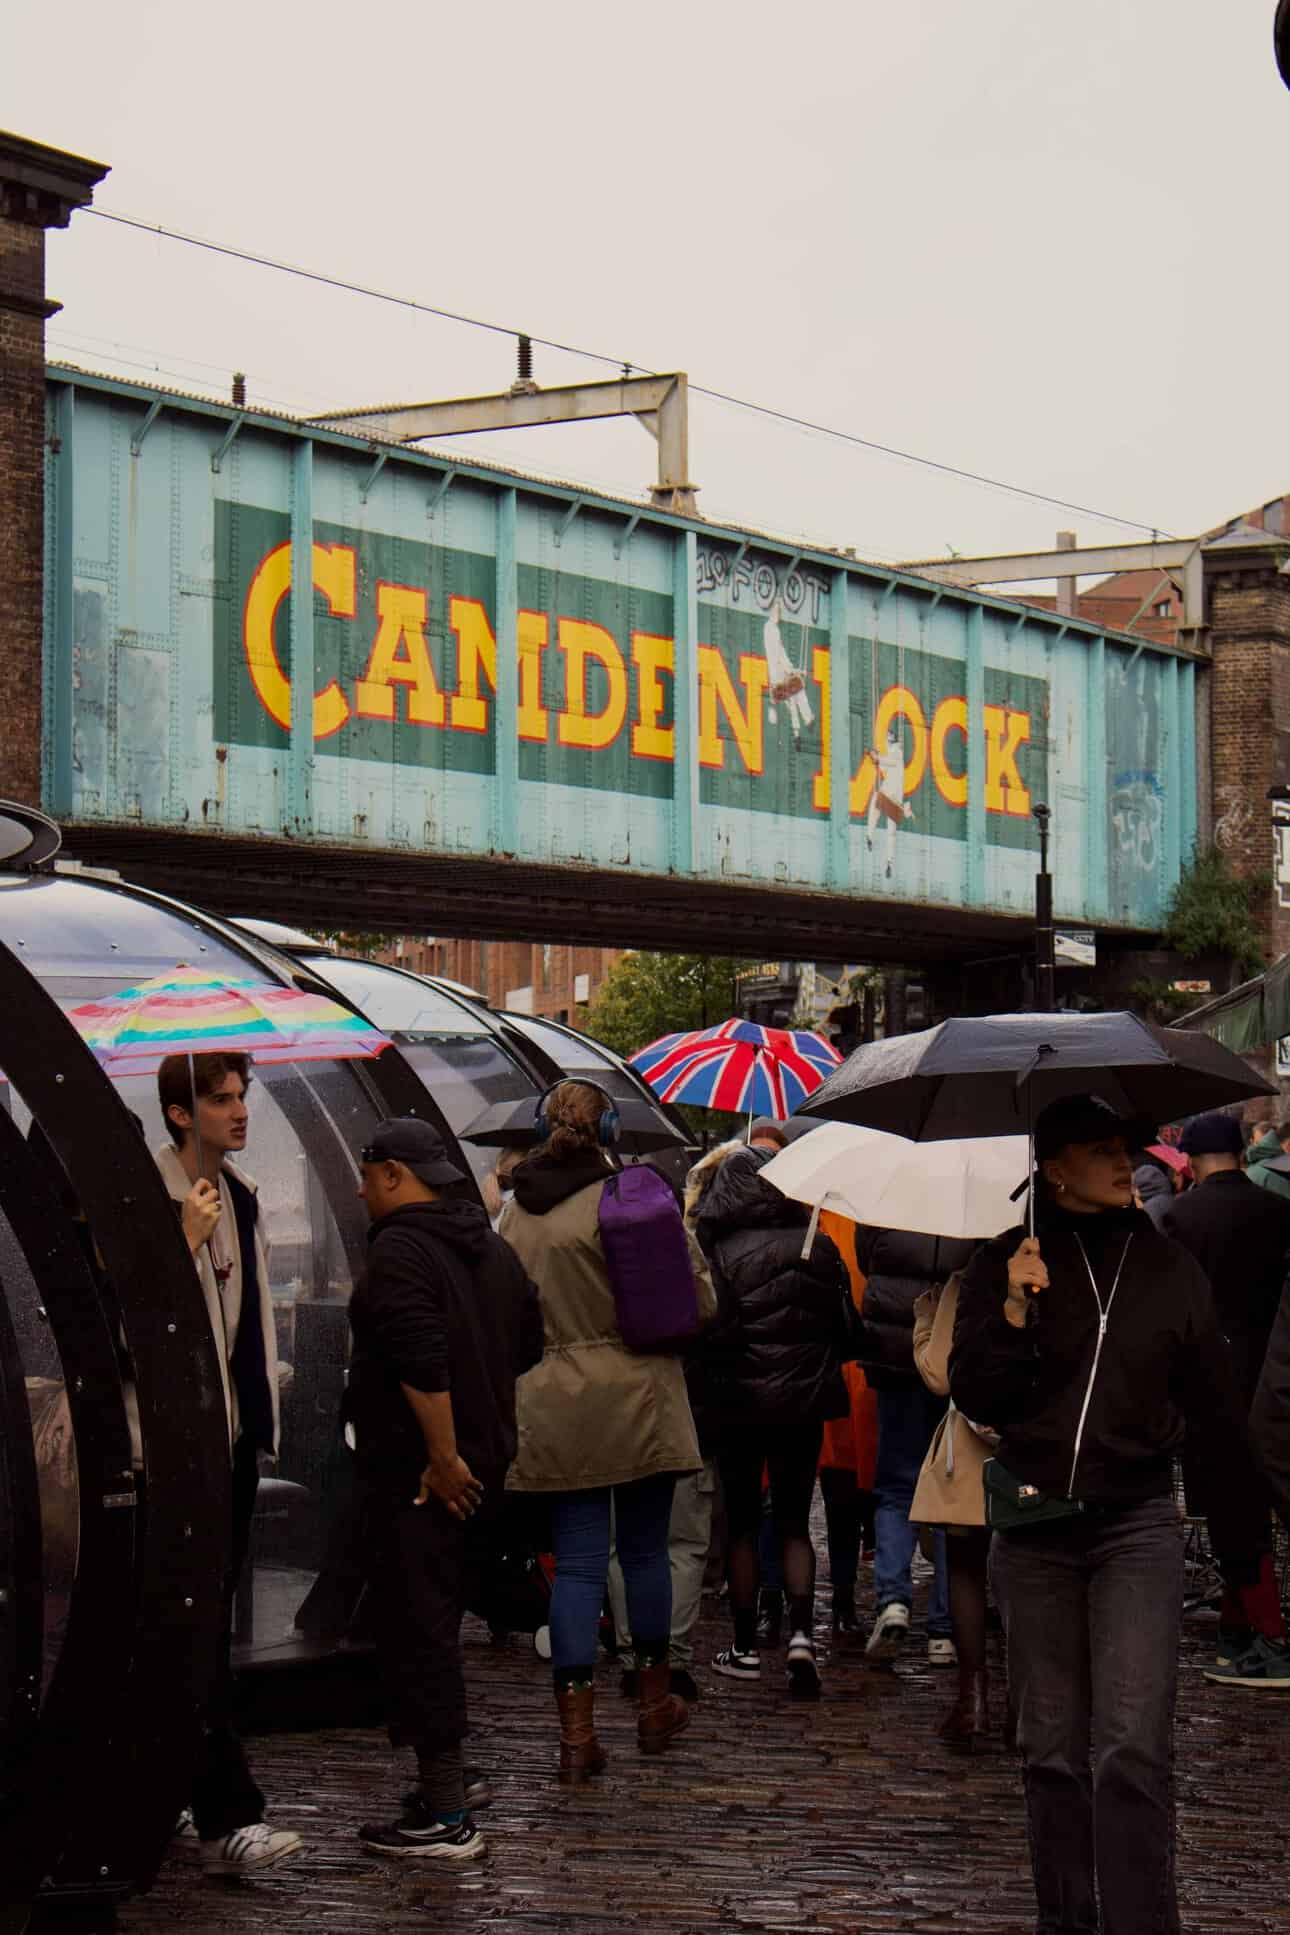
point(607, 1128)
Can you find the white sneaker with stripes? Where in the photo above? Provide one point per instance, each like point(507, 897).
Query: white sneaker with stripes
point(248, 1849)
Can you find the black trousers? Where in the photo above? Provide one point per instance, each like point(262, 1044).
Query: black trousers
point(792, 1452)
point(421, 1565)
point(1092, 1609)
point(224, 1795)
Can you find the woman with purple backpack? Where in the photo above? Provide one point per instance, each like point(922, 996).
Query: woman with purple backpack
point(600, 1424)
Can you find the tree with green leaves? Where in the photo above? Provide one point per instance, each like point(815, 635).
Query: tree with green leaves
point(1210, 913)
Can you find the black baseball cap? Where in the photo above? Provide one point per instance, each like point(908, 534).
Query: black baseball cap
point(407, 1139)
point(1086, 1118)
point(1212, 1135)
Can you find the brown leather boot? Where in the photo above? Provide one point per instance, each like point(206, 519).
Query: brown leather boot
point(581, 1754)
point(662, 1714)
point(966, 1727)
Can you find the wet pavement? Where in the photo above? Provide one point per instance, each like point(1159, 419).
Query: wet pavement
point(847, 1815)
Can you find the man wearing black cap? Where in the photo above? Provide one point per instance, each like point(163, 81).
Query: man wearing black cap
point(443, 1324)
point(1240, 1236)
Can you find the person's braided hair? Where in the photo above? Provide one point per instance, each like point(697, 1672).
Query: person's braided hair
point(573, 1111)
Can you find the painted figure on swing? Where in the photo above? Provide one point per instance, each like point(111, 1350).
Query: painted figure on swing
point(888, 801)
point(787, 683)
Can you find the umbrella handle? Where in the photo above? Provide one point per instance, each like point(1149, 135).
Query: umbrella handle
point(809, 1242)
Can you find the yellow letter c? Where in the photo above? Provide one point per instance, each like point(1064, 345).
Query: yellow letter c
point(334, 575)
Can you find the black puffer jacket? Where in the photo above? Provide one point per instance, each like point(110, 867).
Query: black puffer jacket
point(899, 1266)
point(777, 1348)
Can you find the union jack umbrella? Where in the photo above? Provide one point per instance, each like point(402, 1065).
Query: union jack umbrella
point(738, 1065)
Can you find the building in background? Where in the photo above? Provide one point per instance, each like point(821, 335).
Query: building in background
point(530, 979)
point(1150, 603)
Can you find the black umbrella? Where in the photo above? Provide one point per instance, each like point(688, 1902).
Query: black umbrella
point(512, 1125)
point(991, 1075)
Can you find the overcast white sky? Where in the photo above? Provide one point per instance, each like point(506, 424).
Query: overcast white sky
point(1041, 241)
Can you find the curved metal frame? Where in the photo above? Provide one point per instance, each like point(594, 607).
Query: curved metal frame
point(142, 1706)
point(24, 1615)
point(67, 1770)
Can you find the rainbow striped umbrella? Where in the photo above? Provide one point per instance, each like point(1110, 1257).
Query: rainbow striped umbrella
point(192, 1011)
point(738, 1065)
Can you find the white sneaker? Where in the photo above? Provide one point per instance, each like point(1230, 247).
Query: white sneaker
point(248, 1849)
point(803, 1674)
point(942, 1652)
point(738, 1666)
point(890, 1631)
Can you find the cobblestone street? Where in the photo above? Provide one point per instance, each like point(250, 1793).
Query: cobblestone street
point(767, 1816)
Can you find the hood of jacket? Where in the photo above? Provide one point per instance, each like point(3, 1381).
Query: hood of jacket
point(542, 1182)
point(1151, 1182)
point(1265, 1149)
point(462, 1225)
point(738, 1199)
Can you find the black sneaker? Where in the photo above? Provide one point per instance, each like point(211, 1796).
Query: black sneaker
point(419, 1832)
point(1265, 1665)
point(479, 1793)
point(683, 1685)
point(629, 1683)
point(736, 1665)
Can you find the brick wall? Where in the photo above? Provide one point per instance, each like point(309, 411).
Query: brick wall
point(22, 520)
point(1249, 612)
point(499, 968)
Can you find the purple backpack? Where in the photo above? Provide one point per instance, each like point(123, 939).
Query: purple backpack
point(648, 1259)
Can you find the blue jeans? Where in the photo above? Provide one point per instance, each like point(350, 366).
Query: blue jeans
point(580, 1526)
point(907, 1419)
point(1092, 1609)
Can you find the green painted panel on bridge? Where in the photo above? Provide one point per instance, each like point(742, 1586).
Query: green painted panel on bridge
point(171, 684)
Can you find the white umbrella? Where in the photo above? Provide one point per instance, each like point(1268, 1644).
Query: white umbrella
point(961, 1188)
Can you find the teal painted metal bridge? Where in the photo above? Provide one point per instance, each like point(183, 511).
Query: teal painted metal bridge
point(304, 662)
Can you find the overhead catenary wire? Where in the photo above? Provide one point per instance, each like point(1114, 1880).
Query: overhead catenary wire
point(627, 365)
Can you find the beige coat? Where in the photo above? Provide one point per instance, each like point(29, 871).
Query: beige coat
point(593, 1412)
point(949, 1489)
point(224, 1305)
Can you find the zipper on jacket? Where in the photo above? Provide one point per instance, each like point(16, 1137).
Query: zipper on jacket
point(1103, 1317)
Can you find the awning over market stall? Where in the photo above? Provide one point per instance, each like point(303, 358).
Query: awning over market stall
point(1251, 1017)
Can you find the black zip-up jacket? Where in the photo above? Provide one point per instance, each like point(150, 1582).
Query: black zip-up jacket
point(445, 1306)
point(777, 1348)
point(1164, 1372)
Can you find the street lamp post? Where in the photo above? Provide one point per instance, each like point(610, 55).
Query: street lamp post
point(1045, 955)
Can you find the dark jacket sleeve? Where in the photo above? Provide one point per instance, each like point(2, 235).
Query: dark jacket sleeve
point(992, 1362)
point(1270, 1417)
point(405, 1311)
point(1218, 1439)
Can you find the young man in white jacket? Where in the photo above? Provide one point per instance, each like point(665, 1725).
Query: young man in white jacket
point(220, 1213)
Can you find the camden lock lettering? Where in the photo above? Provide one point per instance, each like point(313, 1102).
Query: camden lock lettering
point(405, 658)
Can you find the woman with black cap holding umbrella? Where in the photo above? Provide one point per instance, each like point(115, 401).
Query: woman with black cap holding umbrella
point(1092, 1347)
